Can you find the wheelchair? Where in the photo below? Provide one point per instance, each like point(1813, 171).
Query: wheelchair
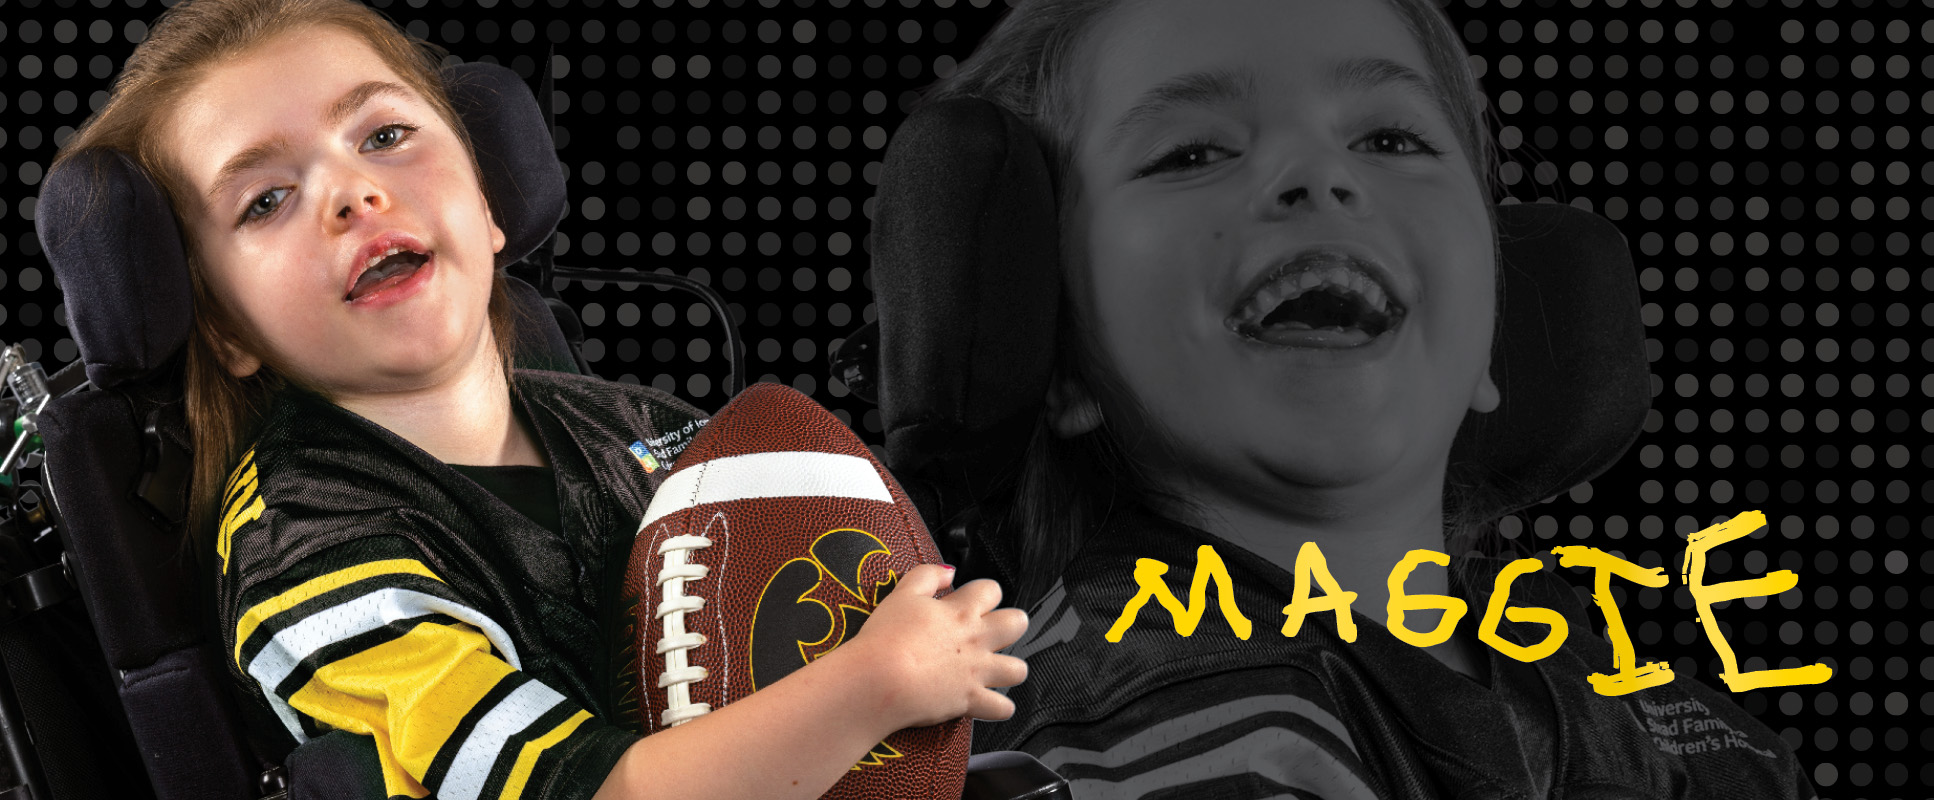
point(111, 679)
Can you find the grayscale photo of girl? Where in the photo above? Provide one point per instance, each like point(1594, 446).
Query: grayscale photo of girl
point(1280, 245)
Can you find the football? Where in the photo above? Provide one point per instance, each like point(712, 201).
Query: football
point(769, 544)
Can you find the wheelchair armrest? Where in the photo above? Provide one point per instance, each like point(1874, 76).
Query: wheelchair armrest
point(1012, 775)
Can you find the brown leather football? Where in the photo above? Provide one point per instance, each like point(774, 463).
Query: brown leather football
point(769, 544)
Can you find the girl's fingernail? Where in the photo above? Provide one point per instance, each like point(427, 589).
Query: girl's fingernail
point(947, 567)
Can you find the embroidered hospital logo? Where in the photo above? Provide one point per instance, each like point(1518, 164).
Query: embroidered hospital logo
point(643, 455)
point(662, 450)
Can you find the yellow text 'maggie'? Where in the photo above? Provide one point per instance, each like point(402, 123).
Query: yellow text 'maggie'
point(1626, 676)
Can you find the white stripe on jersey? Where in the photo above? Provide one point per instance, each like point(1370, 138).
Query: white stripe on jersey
point(352, 618)
point(1047, 626)
point(517, 711)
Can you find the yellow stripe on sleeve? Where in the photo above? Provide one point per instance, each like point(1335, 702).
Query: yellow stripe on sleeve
point(237, 506)
point(315, 587)
point(244, 472)
point(233, 521)
point(410, 693)
point(241, 488)
point(520, 773)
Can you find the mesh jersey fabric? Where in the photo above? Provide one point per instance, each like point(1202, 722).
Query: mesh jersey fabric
point(1158, 716)
point(366, 586)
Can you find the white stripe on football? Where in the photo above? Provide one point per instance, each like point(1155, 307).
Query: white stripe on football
point(759, 475)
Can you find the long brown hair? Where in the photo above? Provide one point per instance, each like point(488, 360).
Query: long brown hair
point(225, 412)
point(1067, 488)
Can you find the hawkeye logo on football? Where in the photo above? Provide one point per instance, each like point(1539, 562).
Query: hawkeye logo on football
point(795, 621)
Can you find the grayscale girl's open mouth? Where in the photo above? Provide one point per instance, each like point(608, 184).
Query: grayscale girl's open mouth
point(1321, 298)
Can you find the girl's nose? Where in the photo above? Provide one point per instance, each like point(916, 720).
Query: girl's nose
point(371, 202)
point(1313, 183)
point(1343, 196)
point(355, 195)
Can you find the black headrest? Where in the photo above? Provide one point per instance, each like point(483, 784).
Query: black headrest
point(966, 278)
point(1569, 362)
point(964, 267)
point(542, 343)
point(116, 251)
point(521, 173)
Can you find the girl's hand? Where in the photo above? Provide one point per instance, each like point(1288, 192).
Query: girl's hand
point(934, 658)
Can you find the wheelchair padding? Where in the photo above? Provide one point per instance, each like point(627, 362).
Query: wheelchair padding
point(138, 583)
point(114, 247)
point(117, 253)
point(184, 721)
point(137, 579)
point(521, 173)
point(965, 248)
point(541, 340)
point(966, 279)
point(1569, 362)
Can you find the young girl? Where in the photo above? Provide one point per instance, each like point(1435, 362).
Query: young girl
point(349, 354)
point(1280, 255)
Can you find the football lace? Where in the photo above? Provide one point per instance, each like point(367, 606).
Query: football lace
point(675, 644)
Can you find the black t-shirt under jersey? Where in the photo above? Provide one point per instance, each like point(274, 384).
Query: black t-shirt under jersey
point(530, 491)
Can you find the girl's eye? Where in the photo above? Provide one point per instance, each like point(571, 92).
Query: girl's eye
point(264, 204)
point(1185, 158)
point(389, 136)
point(1399, 142)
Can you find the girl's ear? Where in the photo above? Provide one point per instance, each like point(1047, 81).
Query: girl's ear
point(1072, 411)
point(1485, 400)
point(239, 363)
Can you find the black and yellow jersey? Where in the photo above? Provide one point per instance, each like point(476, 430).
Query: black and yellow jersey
point(368, 587)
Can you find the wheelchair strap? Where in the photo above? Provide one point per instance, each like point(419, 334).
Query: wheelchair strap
point(166, 469)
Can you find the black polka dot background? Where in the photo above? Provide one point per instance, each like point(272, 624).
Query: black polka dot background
point(1769, 163)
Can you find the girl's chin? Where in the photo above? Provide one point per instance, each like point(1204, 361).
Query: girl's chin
point(389, 368)
point(1334, 473)
point(1336, 456)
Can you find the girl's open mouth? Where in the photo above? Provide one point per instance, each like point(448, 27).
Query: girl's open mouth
point(386, 270)
point(1320, 299)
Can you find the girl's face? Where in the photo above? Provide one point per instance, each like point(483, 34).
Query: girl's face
point(339, 216)
point(1283, 251)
